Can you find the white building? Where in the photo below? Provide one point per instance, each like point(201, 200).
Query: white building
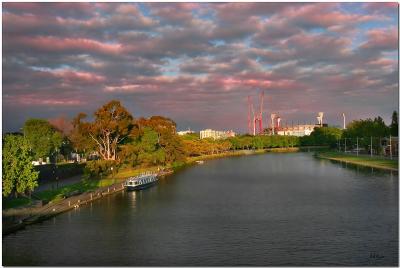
point(299, 130)
point(184, 132)
point(215, 134)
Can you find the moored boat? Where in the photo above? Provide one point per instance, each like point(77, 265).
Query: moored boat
point(140, 182)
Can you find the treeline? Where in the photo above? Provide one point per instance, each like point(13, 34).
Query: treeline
point(197, 147)
point(361, 130)
point(117, 140)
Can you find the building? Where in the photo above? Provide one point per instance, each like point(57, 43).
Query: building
point(215, 134)
point(184, 132)
point(298, 130)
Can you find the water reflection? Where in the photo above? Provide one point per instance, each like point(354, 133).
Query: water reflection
point(132, 198)
point(262, 210)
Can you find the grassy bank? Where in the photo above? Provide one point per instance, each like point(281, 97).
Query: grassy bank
point(363, 160)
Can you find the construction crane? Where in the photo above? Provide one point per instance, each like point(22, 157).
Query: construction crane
point(256, 121)
point(250, 116)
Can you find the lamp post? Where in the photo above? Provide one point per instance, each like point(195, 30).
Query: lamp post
point(371, 146)
point(357, 146)
point(112, 174)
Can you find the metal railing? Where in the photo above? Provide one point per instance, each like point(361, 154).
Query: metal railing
point(386, 147)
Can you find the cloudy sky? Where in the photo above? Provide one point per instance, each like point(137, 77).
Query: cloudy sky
point(198, 62)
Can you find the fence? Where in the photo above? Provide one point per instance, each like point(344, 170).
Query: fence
point(373, 146)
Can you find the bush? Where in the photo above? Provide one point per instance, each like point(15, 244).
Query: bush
point(100, 168)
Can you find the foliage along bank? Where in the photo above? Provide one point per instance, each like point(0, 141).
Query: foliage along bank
point(119, 141)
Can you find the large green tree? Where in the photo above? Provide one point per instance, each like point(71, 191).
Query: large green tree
point(18, 175)
point(167, 138)
point(322, 136)
point(43, 138)
point(367, 128)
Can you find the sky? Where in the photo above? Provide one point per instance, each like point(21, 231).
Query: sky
point(197, 62)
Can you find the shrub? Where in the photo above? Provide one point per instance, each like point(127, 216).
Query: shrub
point(99, 168)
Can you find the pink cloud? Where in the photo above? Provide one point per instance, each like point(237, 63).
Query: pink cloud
point(385, 39)
point(32, 99)
point(76, 76)
point(324, 15)
point(48, 9)
point(55, 44)
point(382, 7)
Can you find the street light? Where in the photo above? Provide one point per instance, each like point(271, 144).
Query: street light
point(112, 174)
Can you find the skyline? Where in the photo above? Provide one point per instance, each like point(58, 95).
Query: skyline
point(197, 62)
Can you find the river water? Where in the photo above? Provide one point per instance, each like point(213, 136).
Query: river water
point(270, 209)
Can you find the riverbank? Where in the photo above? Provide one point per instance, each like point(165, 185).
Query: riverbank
point(54, 195)
point(75, 195)
point(242, 152)
point(367, 161)
point(18, 218)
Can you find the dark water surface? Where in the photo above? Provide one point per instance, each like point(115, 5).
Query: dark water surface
point(271, 209)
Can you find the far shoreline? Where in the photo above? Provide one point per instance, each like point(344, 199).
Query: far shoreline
point(366, 161)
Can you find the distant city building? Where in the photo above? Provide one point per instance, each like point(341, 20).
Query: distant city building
point(215, 134)
point(184, 132)
point(298, 130)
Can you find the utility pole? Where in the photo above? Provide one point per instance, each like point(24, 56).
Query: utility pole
point(390, 146)
point(344, 121)
point(371, 146)
point(345, 151)
point(357, 146)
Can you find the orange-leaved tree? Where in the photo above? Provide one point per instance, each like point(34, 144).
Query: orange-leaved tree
point(112, 124)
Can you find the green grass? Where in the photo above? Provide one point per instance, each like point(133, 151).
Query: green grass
point(83, 186)
point(58, 194)
point(361, 160)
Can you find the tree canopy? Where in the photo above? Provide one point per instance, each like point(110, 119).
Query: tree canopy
point(43, 138)
point(367, 128)
point(18, 172)
point(322, 136)
point(112, 124)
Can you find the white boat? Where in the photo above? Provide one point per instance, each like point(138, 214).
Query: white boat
point(200, 162)
point(140, 182)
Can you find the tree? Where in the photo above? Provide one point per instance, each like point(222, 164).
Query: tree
point(168, 140)
point(43, 138)
point(61, 124)
point(322, 136)
point(79, 135)
point(18, 172)
point(394, 126)
point(367, 128)
point(111, 126)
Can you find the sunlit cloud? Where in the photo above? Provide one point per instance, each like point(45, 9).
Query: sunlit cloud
point(198, 62)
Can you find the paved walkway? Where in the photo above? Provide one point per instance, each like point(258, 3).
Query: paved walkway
point(52, 185)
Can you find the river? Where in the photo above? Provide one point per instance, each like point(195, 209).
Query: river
point(265, 210)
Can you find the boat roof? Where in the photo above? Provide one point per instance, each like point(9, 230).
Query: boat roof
point(139, 177)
